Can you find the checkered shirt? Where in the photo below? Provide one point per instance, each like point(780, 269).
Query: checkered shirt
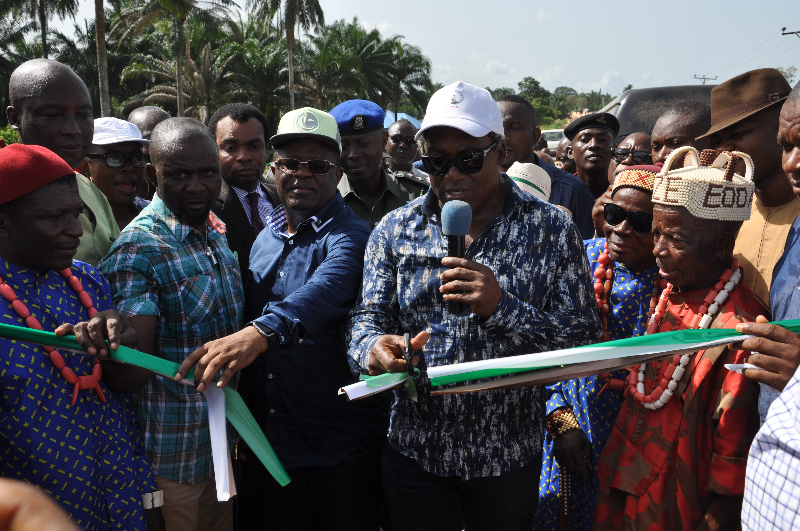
point(158, 266)
point(772, 482)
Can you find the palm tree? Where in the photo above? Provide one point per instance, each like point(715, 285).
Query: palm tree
point(328, 73)
point(39, 12)
point(102, 60)
point(12, 34)
point(306, 14)
point(140, 16)
point(410, 75)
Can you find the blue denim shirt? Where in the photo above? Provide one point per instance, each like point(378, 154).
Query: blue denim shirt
point(302, 286)
point(570, 192)
point(548, 303)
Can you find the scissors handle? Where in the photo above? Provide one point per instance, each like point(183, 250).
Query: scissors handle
point(413, 372)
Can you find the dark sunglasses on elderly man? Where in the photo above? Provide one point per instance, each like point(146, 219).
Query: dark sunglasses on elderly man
point(641, 222)
point(315, 167)
point(466, 164)
point(639, 157)
point(399, 139)
point(117, 160)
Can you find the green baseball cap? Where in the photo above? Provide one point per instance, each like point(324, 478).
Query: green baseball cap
point(308, 123)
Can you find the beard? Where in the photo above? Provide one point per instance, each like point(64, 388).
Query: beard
point(193, 219)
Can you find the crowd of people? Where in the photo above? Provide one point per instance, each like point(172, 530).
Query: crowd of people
point(290, 264)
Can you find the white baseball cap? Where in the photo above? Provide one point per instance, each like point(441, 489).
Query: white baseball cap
point(114, 131)
point(531, 178)
point(463, 106)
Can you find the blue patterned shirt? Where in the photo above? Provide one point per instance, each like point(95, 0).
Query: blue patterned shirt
point(158, 266)
point(548, 303)
point(89, 457)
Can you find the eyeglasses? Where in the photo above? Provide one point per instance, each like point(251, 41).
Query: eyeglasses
point(639, 157)
point(467, 164)
point(117, 160)
point(641, 222)
point(315, 167)
point(399, 139)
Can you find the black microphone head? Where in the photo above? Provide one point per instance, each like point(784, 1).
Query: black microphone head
point(456, 218)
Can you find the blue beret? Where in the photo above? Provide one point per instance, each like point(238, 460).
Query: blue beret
point(355, 117)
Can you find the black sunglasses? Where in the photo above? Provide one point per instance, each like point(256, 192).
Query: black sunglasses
point(641, 222)
point(117, 160)
point(466, 164)
point(639, 157)
point(399, 139)
point(316, 167)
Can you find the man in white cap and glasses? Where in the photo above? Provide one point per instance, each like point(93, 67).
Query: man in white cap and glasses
point(115, 164)
point(472, 458)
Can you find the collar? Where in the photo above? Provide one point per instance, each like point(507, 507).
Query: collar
point(278, 222)
point(388, 184)
point(242, 195)
point(181, 230)
point(20, 274)
point(513, 196)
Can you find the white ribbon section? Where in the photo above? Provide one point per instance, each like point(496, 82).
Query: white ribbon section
point(223, 468)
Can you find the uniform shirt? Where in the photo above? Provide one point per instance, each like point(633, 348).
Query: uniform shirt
point(761, 242)
point(397, 192)
point(88, 457)
point(97, 220)
point(303, 286)
point(158, 266)
point(547, 303)
point(772, 482)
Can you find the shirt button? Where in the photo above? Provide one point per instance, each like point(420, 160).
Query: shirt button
point(300, 340)
point(270, 376)
point(291, 242)
point(280, 274)
point(272, 411)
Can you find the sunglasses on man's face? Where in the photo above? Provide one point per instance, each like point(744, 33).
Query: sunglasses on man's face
point(399, 139)
point(641, 222)
point(117, 160)
point(315, 167)
point(466, 164)
point(639, 157)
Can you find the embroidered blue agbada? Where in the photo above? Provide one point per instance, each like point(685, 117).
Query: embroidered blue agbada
point(89, 457)
point(630, 302)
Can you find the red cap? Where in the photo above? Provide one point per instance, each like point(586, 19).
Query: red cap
point(25, 168)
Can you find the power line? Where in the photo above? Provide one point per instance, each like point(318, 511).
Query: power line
point(791, 48)
point(757, 56)
point(756, 48)
point(790, 32)
point(704, 79)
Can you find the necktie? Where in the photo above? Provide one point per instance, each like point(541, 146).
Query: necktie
point(255, 218)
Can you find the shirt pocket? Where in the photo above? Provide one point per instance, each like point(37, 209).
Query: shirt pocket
point(197, 296)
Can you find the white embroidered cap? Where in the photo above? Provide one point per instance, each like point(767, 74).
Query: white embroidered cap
point(531, 178)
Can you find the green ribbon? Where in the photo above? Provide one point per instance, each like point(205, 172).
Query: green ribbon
point(391, 378)
point(235, 409)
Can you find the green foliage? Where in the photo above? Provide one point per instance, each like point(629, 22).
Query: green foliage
point(9, 135)
point(789, 72)
point(502, 91)
point(532, 90)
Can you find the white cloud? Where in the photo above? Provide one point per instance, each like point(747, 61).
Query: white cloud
point(496, 67)
point(384, 27)
point(543, 17)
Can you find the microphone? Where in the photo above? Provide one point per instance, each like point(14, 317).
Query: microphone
point(456, 220)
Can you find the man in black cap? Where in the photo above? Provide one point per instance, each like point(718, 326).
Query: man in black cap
point(366, 187)
point(522, 133)
point(592, 138)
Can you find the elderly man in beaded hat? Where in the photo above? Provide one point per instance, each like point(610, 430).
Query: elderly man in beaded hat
point(68, 427)
point(677, 453)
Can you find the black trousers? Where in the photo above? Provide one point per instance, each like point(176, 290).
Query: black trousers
point(346, 496)
point(421, 501)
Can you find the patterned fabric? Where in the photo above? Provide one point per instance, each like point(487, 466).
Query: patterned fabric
point(140, 204)
point(772, 482)
point(548, 303)
point(264, 205)
point(158, 266)
point(88, 457)
point(639, 178)
point(661, 468)
point(277, 221)
point(630, 302)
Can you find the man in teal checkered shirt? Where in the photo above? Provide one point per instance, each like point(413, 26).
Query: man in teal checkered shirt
point(174, 277)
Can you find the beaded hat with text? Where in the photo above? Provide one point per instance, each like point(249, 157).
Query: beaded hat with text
point(639, 177)
point(708, 185)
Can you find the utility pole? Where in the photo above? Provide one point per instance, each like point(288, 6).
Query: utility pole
point(797, 33)
point(704, 79)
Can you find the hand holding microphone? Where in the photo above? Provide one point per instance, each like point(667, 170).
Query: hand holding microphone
point(466, 283)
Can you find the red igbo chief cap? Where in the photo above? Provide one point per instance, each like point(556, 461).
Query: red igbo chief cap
point(25, 168)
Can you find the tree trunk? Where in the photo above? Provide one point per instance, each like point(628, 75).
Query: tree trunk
point(290, 49)
point(179, 68)
point(43, 26)
point(102, 62)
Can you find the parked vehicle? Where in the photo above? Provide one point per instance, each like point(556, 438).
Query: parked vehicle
point(553, 137)
point(639, 109)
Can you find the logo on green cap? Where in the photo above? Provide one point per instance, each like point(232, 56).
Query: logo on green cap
point(307, 122)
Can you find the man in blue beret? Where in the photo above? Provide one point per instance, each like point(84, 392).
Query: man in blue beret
point(592, 138)
point(366, 187)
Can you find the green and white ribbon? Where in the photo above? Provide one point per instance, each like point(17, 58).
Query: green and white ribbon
point(227, 399)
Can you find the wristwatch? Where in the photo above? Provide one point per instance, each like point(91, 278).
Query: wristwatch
point(269, 333)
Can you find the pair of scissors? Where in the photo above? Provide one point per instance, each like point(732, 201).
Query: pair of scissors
point(413, 372)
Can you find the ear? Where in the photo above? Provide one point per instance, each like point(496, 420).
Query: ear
point(501, 153)
point(85, 169)
point(724, 246)
point(150, 175)
point(5, 223)
point(570, 154)
point(339, 174)
point(385, 138)
point(537, 134)
point(13, 117)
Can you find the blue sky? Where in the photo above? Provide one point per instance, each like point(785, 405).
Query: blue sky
point(584, 44)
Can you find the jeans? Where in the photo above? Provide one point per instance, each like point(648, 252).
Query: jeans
point(346, 496)
point(421, 501)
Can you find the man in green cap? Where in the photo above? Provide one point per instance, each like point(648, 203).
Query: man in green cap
point(367, 188)
point(305, 270)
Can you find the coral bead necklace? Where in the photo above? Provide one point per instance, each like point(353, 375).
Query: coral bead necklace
point(705, 315)
point(79, 382)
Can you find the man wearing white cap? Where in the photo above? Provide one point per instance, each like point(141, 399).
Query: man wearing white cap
point(115, 164)
point(524, 286)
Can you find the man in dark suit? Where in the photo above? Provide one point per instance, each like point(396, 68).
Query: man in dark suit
point(246, 197)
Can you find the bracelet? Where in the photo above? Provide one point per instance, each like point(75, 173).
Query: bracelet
point(561, 421)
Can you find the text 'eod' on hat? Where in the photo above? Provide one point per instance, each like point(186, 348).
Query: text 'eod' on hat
point(465, 107)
